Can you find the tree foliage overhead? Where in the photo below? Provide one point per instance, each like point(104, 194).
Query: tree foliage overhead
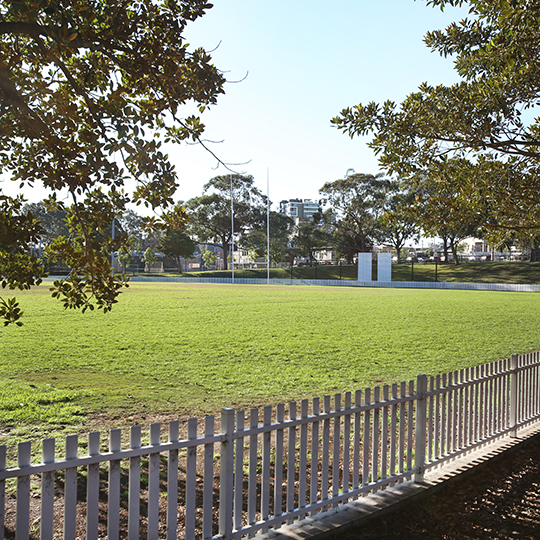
point(89, 91)
point(487, 122)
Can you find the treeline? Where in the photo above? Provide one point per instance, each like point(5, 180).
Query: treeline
point(355, 213)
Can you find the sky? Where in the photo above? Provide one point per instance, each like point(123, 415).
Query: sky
point(300, 62)
point(291, 66)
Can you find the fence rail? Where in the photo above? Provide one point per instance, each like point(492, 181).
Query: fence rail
point(256, 471)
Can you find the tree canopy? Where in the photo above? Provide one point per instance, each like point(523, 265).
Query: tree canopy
point(89, 91)
point(357, 201)
point(281, 229)
point(210, 214)
point(486, 122)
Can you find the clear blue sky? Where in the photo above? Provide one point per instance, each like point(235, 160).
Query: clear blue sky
point(305, 61)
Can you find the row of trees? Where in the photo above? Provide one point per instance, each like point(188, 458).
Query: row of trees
point(355, 213)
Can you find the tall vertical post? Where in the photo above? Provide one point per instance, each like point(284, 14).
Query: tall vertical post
point(226, 475)
point(421, 419)
point(232, 229)
point(267, 226)
point(513, 395)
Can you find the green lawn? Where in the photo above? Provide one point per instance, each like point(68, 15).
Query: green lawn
point(474, 272)
point(194, 348)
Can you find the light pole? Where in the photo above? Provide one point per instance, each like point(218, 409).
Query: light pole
point(267, 226)
point(232, 229)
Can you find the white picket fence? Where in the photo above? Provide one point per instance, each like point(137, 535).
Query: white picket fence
point(248, 476)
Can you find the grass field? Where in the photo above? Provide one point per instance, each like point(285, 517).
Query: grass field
point(192, 349)
point(476, 272)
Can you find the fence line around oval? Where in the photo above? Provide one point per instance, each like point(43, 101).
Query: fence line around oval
point(516, 287)
point(251, 472)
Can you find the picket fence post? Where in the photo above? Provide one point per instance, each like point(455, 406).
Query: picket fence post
point(226, 474)
point(421, 418)
point(513, 395)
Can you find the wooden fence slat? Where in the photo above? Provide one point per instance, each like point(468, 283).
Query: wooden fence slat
point(410, 429)
point(337, 449)
point(450, 416)
point(302, 467)
point(455, 412)
point(476, 389)
point(356, 441)
point(444, 427)
point(70, 490)
point(401, 455)
point(460, 420)
point(314, 480)
point(384, 436)
point(239, 470)
point(46, 530)
point(153, 483)
point(346, 445)
point(134, 488)
point(291, 460)
point(375, 448)
point(491, 427)
point(265, 471)
point(278, 474)
point(481, 405)
point(208, 478)
point(92, 489)
point(24, 452)
point(252, 467)
point(172, 483)
point(436, 419)
point(367, 436)
point(113, 507)
point(191, 482)
point(325, 458)
point(226, 474)
point(393, 432)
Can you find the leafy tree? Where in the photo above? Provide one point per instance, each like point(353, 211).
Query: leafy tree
point(124, 257)
point(53, 222)
point(397, 224)
point(210, 214)
point(440, 208)
point(176, 244)
point(481, 121)
point(281, 230)
point(88, 92)
point(357, 202)
point(313, 235)
point(149, 256)
point(209, 257)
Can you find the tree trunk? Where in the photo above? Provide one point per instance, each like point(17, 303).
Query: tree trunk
point(225, 245)
point(445, 248)
point(454, 252)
